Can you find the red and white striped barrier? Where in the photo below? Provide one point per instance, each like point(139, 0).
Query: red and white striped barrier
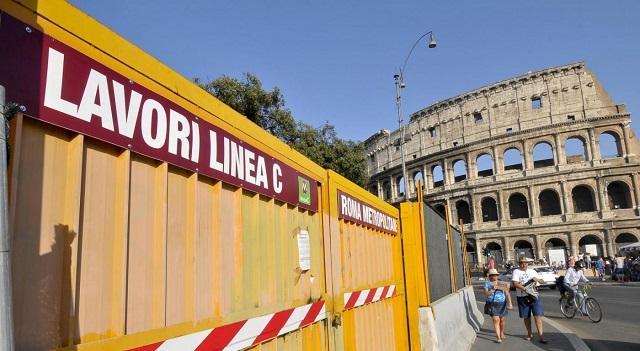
point(243, 334)
point(363, 297)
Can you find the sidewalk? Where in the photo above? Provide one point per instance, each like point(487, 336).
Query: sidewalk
point(558, 339)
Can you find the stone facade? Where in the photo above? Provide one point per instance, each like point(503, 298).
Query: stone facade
point(543, 161)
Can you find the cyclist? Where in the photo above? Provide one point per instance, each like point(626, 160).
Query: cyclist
point(574, 276)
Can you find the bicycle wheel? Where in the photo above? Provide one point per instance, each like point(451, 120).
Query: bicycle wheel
point(594, 312)
point(568, 311)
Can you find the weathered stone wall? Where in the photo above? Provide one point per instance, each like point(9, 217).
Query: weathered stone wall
point(549, 106)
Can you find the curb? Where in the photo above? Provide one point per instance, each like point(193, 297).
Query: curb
point(575, 341)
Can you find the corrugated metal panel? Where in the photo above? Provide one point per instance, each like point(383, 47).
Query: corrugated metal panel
point(369, 258)
point(108, 243)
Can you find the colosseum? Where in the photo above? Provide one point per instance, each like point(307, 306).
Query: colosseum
point(544, 164)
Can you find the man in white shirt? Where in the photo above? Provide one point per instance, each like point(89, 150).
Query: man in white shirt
point(521, 276)
point(571, 279)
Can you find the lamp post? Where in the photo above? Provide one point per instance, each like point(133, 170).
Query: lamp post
point(399, 79)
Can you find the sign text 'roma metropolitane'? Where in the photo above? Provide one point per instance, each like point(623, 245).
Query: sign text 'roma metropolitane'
point(359, 212)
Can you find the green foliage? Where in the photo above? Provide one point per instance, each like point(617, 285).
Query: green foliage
point(267, 109)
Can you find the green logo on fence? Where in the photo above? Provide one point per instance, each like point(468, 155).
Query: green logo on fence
point(304, 191)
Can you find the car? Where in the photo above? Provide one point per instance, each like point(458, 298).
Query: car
point(548, 275)
point(545, 272)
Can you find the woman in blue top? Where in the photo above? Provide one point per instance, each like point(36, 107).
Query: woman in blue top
point(500, 299)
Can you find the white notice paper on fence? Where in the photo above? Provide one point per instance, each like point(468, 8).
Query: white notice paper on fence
point(304, 250)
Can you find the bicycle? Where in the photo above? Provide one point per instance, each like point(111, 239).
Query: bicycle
point(589, 306)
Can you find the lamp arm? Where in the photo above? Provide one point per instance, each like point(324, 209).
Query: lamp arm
point(404, 65)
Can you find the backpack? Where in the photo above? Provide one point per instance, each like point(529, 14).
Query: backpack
point(560, 285)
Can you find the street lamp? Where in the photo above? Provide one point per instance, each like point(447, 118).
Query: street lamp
point(399, 78)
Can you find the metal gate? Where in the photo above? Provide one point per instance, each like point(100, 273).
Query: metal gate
point(367, 277)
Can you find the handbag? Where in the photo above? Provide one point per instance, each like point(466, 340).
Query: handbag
point(488, 306)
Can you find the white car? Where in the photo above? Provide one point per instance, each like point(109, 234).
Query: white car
point(545, 272)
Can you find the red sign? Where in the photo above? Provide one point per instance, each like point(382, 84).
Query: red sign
point(357, 211)
point(61, 86)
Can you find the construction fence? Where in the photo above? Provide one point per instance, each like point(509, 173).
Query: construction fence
point(155, 217)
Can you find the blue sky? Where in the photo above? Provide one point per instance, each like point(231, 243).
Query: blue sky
point(335, 60)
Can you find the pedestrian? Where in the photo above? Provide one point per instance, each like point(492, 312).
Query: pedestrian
point(574, 276)
point(600, 268)
point(499, 300)
point(619, 272)
point(594, 268)
point(492, 262)
point(587, 260)
point(523, 277)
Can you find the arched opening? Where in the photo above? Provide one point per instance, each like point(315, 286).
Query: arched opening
point(583, 199)
point(590, 244)
point(400, 185)
point(438, 175)
point(556, 251)
point(575, 150)
point(543, 155)
point(549, 203)
point(471, 254)
point(440, 209)
point(463, 211)
point(418, 178)
point(523, 248)
point(373, 189)
point(489, 209)
point(512, 159)
point(518, 206)
point(495, 250)
point(619, 196)
point(625, 239)
point(484, 163)
point(610, 145)
point(386, 190)
point(459, 170)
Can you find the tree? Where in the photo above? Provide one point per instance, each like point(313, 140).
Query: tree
point(267, 109)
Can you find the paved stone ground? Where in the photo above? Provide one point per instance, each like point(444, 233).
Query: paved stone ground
point(559, 337)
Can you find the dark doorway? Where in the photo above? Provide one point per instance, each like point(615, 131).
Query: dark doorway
point(489, 210)
point(518, 206)
point(549, 203)
point(463, 211)
point(619, 196)
point(582, 199)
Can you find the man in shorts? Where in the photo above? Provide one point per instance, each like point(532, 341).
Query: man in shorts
point(521, 276)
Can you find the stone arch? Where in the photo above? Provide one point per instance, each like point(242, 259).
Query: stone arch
point(623, 239)
point(583, 198)
point(489, 209)
point(441, 209)
point(437, 173)
point(523, 248)
point(495, 249)
point(518, 207)
point(417, 176)
point(543, 154)
point(400, 185)
point(484, 165)
point(619, 195)
point(459, 170)
point(575, 149)
point(463, 211)
point(555, 242)
point(512, 157)
point(386, 190)
point(549, 203)
point(610, 145)
point(590, 241)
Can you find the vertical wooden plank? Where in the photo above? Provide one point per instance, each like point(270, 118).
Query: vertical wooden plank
point(99, 246)
point(69, 306)
point(121, 243)
point(146, 246)
point(205, 254)
point(180, 237)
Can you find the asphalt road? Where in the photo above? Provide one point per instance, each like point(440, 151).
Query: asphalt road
point(619, 329)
